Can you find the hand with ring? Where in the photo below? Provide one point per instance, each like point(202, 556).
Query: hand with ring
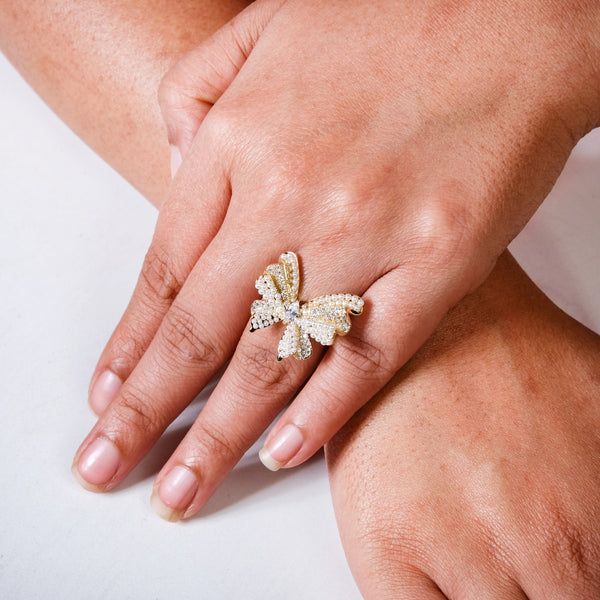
point(390, 154)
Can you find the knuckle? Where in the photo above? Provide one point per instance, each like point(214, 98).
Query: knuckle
point(159, 274)
point(388, 545)
point(258, 372)
point(187, 341)
point(572, 551)
point(171, 95)
point(212, 442)
point(443, 229)
point(339, 215)
point(331, 405)
point(491, 547)
point(221, 126)
point(135, 411)
point(286, 189)
point(363, 359)
point(127, 347)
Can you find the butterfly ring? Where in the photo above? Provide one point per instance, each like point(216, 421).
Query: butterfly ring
point(321, 318)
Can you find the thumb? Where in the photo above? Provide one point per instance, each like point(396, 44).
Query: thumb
point(198, 80)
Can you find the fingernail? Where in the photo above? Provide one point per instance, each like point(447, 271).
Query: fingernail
point(282, 448)
point(175, 494)
point(175, 160)
point(105, 389)
point(98, 464)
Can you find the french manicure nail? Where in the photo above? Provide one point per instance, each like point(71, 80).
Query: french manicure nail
point(175, 493)
point(176, 160)
point(105, 390)
point(98, 464)
point(282, 448)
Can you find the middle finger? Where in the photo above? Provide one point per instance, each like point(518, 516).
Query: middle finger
point(197, 335)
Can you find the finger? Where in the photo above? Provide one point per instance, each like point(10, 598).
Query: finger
point(196, 336)
point(252, 391)
point(188, 221)
point(197, 81)
point(193, 85)
point(397, 582)
point(250, 394)
point(397, 319)
point(392, 579)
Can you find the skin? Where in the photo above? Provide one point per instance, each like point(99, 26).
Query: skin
point(107, 58)
point(435, 423)
point(442, 164)
point(475, 473)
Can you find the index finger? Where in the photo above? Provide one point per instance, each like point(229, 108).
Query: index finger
point(188, 221)
point(196, 336)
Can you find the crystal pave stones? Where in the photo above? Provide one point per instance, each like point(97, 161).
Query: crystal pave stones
point(321, 318)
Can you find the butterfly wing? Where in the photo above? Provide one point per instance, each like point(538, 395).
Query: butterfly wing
point(326, 316)
point(321, 318)
point(294, 343)
point(286, 275)
point(278, 286)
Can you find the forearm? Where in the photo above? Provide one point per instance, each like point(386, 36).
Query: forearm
point(98, 65)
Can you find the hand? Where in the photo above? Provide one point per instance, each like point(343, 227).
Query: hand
point(474, 473)
point(397, 149)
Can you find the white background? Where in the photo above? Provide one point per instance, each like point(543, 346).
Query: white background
point(72, 238)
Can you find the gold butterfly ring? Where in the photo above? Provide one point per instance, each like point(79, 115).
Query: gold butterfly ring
point(321, 318)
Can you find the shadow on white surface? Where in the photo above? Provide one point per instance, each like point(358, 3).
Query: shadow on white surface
point(250, 478)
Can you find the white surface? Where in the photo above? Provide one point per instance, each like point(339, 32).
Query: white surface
point(72, 238)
